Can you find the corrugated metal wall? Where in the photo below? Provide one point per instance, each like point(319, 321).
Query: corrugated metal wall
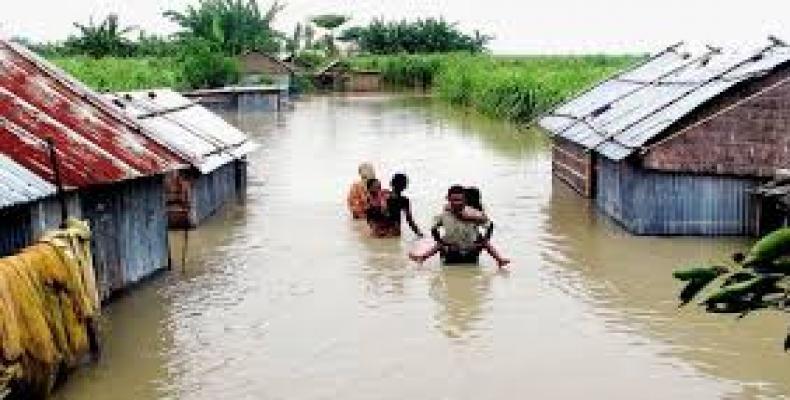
point(259, 101)
point(21, 225)
point(654, 203)
point(573, 165)
point(129, 224)
point(15, 230)
point(211, 191)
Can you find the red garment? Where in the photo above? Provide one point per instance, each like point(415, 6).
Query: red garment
point(358, 200)
point(380, 225)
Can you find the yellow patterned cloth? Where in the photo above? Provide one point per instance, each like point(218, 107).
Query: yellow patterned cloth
point(48, 296)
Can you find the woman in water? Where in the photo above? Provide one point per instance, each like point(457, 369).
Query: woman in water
point(358, 194)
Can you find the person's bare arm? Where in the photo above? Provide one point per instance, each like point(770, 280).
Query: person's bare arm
point(472, 215)
point(410, 220)
point(437, 235)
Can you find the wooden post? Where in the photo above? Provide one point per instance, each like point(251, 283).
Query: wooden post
point(61, 195)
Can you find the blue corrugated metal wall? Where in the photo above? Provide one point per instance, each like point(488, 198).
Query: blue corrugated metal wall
point(212, 191)
point(21, 225)
point(15, 229)
point(129, 224)
point(656, 203)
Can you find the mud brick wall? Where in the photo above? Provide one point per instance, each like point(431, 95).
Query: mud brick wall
point(573, 165)
point(746, 132)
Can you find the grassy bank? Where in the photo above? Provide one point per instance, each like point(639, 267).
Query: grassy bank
point(512, 88)
point(117, 74)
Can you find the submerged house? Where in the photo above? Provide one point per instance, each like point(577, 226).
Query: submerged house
point(338, 75)
point(676, 144)
point(215, 149)
point(263, 69)
point(241, 99)
point(114, 175)
point(26, 206)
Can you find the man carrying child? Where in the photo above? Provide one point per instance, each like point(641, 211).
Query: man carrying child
point(460, 222)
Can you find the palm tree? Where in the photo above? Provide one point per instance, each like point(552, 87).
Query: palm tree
point(105, 39)
point(236, 26)
point(330, 22)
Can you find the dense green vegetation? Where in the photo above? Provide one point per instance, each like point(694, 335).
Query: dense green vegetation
point(117, 74)
point(232, 26)
point(408, 53)
point(512, 88)
point(200, 55)
point(197, 65)
point(420, 36)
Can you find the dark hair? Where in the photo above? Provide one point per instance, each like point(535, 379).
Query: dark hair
point(473, 198)
point(370, 182)
point(455, 189)
point(399, 182)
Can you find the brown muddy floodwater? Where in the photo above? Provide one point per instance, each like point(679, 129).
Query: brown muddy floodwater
point(286, 298)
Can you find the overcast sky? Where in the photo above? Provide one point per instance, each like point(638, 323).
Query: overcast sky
point(521, 27)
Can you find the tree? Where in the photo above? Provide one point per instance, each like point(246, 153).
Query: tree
point(294, 44)
point(234, 25)
point(105, 39)
point(330, 22)
point(204, 66)
point(420, 36)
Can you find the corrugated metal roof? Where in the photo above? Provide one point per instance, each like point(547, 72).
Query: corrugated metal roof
point(195, 133)
point(19, 186)
point(95, 143)
point(623, 113)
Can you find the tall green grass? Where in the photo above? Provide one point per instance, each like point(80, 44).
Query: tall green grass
point(513, 88)
point(119, 74)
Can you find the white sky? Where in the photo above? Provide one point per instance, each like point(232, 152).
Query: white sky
point(521, 27)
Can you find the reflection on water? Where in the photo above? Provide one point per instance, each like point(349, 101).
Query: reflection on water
point(285, 298)
point(462, 295)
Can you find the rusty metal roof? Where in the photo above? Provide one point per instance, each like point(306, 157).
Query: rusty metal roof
point(95, 143)
point(187, 128)
point(620, 115)
point(20, 186)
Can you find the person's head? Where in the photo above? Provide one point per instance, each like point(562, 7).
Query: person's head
point(473, 198)
point(456, 198)
point(399, 182)
point(374, 186)
point(366, 172)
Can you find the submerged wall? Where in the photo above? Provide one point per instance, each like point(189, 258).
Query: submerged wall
point(129, 225)
point(212, 191)
point(22, 225)
point(237, 100)
point(193, 197)
point(574, 165)
point(647, 202)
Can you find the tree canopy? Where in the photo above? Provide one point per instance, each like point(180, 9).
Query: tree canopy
point(235, 25)
point(421, 36)
point(103, 39)
point(329, 21)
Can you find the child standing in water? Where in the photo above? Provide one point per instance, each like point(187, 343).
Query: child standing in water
point(399, 205)
point(386, 208)
point(474, 211)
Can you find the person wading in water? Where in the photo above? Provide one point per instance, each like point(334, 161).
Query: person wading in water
point(461, 220)
point(387, 207)
point(358, 194)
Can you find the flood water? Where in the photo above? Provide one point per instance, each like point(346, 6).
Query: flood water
point(286, 298)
